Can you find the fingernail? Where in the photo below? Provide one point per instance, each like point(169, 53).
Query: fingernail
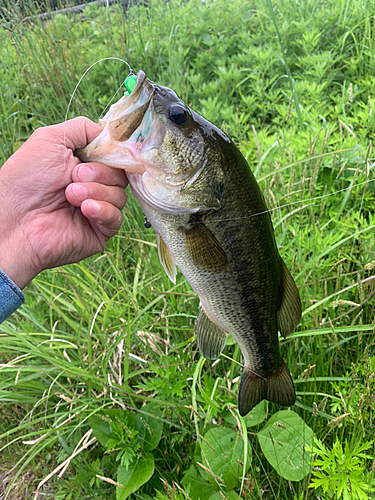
point(94, 207)
point(80, 192)
point(86, 173)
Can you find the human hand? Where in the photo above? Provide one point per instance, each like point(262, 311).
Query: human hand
point(55, 210)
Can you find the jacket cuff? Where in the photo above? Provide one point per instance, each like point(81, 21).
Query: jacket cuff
point(11, 297)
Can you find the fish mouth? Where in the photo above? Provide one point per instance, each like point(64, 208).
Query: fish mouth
point(127, 128)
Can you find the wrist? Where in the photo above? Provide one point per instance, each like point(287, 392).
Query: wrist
point(15, 259)
point(14, 273)
point(11, 297)
point(15, 263)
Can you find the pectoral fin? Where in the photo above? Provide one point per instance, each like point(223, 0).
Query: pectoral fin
point(166, 258)
point(289, 314)
point(204, 249)
point(211, 338)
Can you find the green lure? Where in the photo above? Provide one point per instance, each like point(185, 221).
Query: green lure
point(130, 82)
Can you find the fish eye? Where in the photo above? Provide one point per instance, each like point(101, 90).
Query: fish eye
point(177, 114)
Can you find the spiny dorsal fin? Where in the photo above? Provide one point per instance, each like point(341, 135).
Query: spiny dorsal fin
point(278, 388)
point(211, 338)
point(289, 314)
point(204, 249)
point(166, 258)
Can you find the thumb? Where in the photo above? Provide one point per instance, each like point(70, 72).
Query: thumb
point(77, 133)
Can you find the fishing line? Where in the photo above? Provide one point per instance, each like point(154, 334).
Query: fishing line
point(85, 73)
point(82, 77)
point(111, 58)
point(314, 200)
point(110, 101)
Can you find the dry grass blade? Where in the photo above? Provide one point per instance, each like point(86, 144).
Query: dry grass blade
point(63, 466)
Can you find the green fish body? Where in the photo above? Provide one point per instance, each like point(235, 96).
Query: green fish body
point(211, 221)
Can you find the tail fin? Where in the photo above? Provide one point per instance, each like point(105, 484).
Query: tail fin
point(278, 388)
point(253, 389)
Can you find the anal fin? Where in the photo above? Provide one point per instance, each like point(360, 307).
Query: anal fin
point(289, 314)
point(166, 258)
point(277, 388)
point(211, 338)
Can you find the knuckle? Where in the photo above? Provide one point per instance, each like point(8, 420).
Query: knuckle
point(113, 176)
point(40, 132)
point(124, 198)
point(81, 120)
point(99, 173)
point(97, 191)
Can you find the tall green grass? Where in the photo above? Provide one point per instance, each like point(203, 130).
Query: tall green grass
point(112, 332)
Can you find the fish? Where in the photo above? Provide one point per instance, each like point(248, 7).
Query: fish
point(211, 221)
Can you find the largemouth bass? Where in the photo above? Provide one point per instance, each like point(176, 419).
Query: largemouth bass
point(211, 221)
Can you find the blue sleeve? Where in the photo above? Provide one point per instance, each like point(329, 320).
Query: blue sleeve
point(11, 297)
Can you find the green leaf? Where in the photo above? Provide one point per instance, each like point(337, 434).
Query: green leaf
point(199, 489)
point(149, 428)
point(126, 456)
point(132, 479)
point(124, 416)
point(255, 417)
point(223, 449)
point(107, 426)
point(101, 429)
point(230, 340)
point(285, 441)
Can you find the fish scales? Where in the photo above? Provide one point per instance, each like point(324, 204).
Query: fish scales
point(211, 220)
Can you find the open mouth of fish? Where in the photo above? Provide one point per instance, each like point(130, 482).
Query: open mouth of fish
point(127, 131)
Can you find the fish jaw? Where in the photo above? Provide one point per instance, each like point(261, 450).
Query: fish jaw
point(104, 150)
point(121, 143)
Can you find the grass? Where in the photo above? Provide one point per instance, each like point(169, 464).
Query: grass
point(112, 334)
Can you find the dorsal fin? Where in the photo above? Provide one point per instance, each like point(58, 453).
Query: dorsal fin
point(211, 338)
point(289, 314)
point(166, 258)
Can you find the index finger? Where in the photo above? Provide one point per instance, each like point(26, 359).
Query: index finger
point(98, 172)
